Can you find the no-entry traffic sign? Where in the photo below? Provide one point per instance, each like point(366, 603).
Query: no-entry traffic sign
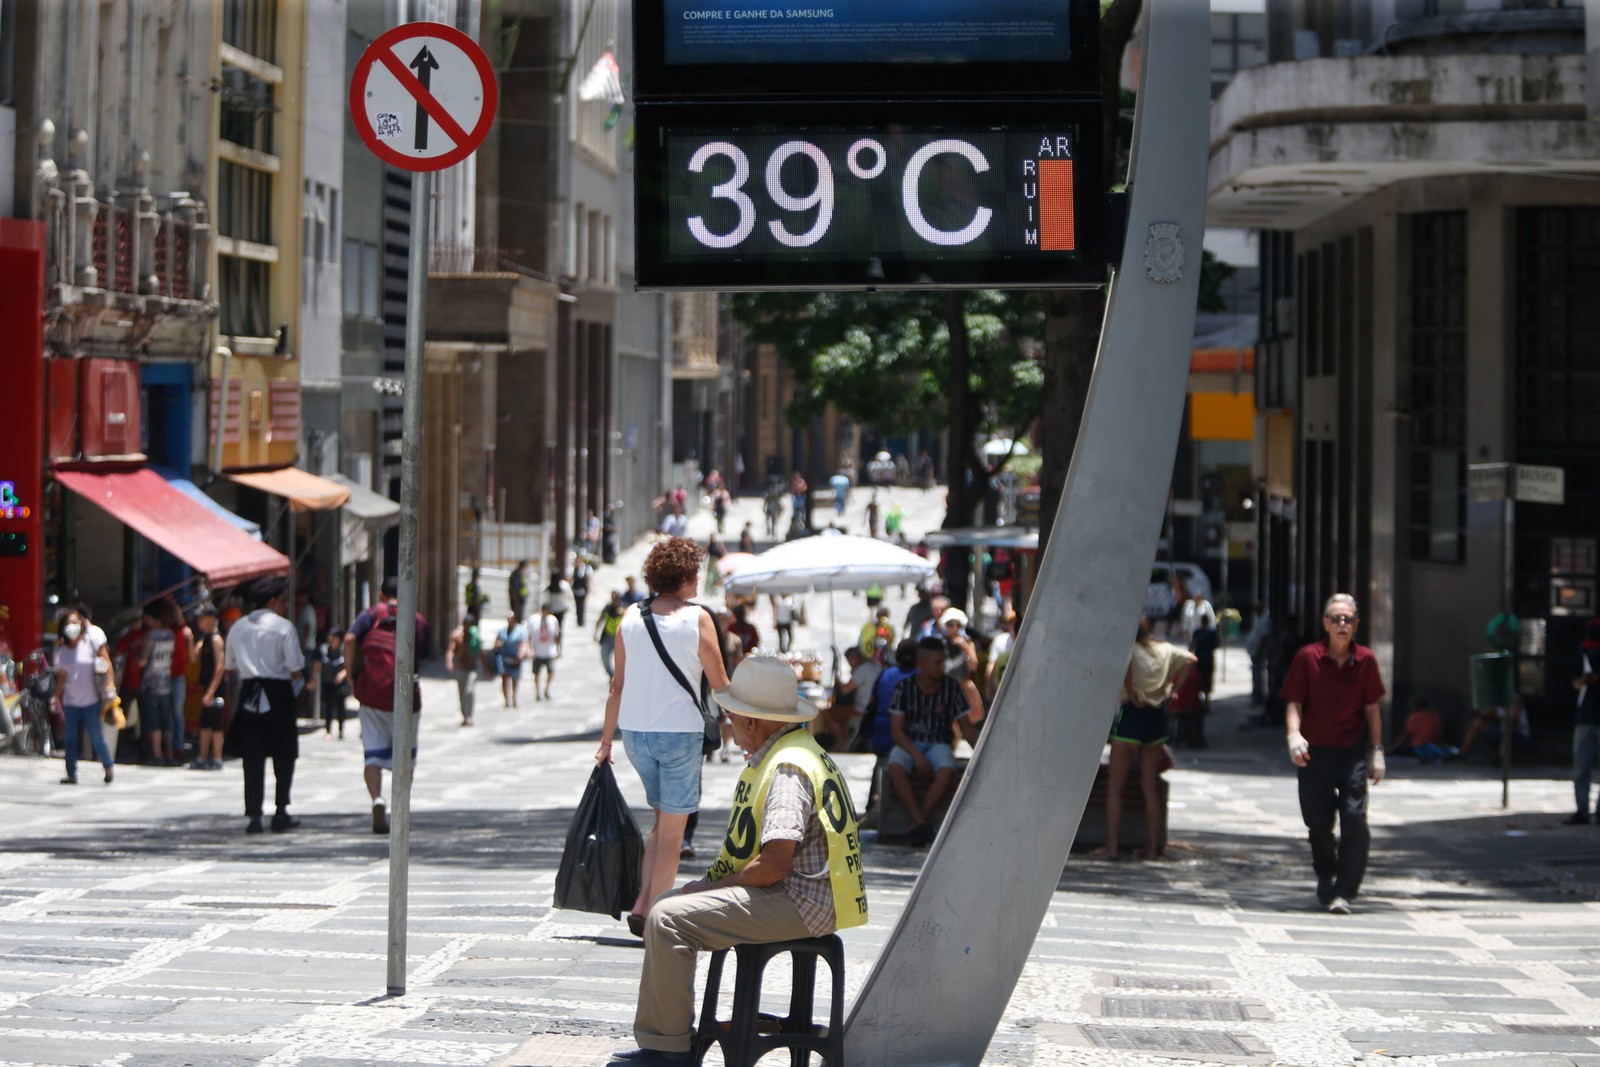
point(423, 96)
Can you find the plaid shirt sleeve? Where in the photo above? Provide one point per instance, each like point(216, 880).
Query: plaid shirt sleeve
point(789, 806)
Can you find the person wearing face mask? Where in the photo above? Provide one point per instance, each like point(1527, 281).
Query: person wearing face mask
point(78, 678)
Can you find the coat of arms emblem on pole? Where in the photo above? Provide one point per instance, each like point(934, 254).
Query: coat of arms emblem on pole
point(1163, 253)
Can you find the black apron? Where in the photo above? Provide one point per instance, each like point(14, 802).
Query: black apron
point(273, 733)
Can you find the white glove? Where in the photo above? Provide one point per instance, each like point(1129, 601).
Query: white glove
point(1375, 767)
point(1299, 748)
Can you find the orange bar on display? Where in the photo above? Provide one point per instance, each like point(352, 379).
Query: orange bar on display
point(1056, 231)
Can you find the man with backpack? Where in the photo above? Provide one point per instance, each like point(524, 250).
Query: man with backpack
point(372, 635)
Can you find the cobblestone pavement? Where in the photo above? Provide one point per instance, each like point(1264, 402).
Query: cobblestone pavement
point(140, 927)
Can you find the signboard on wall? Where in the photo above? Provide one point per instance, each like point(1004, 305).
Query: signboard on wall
point(22, 435)
point(1516, 481)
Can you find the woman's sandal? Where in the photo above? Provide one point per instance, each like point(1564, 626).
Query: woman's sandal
point(636, 924)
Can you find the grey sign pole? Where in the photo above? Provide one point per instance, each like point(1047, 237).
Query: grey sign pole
point(938, 991)
point(405, 632)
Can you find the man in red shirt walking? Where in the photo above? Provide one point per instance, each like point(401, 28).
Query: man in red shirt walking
point(1335, 733)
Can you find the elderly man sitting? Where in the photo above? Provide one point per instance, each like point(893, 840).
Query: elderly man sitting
point(790, 867)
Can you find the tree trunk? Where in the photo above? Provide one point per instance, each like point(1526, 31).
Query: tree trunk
point(1073, 316)
point(1071, 336)
point(958, 464)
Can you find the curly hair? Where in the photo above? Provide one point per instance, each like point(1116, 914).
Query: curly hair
point(672, 564)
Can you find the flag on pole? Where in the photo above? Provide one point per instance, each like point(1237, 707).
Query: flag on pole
point(603, 82)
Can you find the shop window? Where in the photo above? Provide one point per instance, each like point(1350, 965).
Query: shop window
point(593, 121)
point(244, 203)
point(244, 293)
point(1572, 577)
point(1237, 41)
point(1436, 344)
point(363, 280)
point(246, 111)
point(8, 48)
point(251, 26)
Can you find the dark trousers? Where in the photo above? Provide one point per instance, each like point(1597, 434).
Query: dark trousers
point(1334, 784)
point(258, 736)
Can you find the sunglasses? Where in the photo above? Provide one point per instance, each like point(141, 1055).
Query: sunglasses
point(1340, 620)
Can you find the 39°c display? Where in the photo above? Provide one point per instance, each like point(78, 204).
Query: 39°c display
point(861, 205)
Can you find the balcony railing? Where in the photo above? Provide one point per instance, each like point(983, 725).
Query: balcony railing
point(128, 245)
point(480, 259)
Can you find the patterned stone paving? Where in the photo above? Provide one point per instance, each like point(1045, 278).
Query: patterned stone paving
point(139, 927)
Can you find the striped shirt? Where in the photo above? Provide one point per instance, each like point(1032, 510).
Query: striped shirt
point(927, 716)
point(791, 815)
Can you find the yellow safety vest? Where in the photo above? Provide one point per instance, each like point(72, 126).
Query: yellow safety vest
point(835, 812)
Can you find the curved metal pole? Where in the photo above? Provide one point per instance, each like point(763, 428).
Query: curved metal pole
point(937, 993)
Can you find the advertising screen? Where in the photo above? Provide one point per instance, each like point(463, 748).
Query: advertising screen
point(724, 49)
point(866, 31)
point(869, 203)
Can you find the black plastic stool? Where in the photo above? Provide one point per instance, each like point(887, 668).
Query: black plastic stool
point(742, 1042)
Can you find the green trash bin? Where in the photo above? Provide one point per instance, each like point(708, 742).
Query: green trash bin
point(1230, 624)
point(1494, 680)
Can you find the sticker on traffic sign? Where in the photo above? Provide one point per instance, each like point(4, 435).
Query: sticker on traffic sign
point(423, 96)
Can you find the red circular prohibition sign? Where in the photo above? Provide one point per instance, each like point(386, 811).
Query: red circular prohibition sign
point(382, 51)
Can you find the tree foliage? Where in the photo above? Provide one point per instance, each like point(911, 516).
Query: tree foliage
point(883, 359)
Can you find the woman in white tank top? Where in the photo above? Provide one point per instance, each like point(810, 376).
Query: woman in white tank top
point(660, 721)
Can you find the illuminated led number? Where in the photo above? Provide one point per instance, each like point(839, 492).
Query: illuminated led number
point(913, 205)
point(822, 195)
point(732, 189)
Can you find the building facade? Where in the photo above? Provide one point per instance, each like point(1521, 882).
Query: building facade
point(1423, 174)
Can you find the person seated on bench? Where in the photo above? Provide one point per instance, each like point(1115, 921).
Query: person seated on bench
point(850, 701)
point(921, 717)
point(789, 869)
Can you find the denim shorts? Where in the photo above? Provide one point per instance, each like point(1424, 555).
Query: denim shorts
point(940, 756)
point(669, 766)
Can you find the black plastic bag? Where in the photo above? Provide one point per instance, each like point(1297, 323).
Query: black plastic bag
point(603, 862)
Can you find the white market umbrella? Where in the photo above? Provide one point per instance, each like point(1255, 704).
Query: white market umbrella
point(827, 562)
point(1000, 446)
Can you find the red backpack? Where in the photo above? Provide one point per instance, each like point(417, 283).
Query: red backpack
point(374, 686)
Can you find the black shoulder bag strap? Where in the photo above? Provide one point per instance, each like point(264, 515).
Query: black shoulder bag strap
point(709, 718)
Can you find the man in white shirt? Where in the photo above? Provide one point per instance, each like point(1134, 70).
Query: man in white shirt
point(1198, 614)
point(546, 641)
point(844, 716)
point(263, 651)
point(676, 523)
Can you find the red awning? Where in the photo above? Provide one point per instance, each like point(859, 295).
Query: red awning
point(143, 501)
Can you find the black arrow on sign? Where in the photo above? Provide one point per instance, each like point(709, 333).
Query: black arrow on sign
point(423, 64)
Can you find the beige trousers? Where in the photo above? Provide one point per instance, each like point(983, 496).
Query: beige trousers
point(681, 925)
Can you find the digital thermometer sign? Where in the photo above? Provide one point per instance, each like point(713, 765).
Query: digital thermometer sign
point(864, 204)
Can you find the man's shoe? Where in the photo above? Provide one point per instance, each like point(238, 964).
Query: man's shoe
point(255, 826)
point(283, 822)
point(109, 775)
point(380, 817)
point(649, 1057)
point(1338, 906)
point(71, 779)
point(1577, 818)
point(686, 852)
point(1325, 891)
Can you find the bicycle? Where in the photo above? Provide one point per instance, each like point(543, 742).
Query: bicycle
point(33, 733)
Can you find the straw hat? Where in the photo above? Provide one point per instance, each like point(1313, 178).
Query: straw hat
point(765, 687)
